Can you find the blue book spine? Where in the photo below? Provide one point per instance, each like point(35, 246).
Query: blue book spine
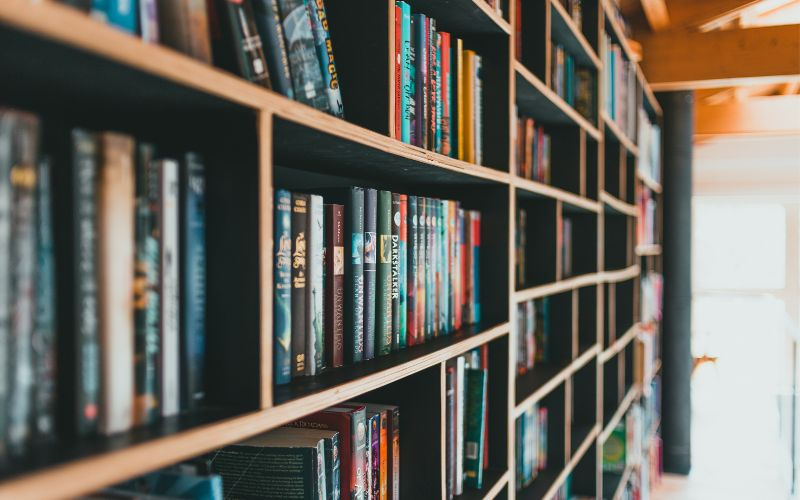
point(406, 72)
point(194, 280)
point(123, 14)
point(282, 295)
point(445, 263)
point(322, 39)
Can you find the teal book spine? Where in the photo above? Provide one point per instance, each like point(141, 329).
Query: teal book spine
point(476, 268)
point(315, 333)
point(402, 337)
point(358, 435)
point(444, 245)
point(428, 283)
point(122, 14)
point(282, 294)
point(354, 276)
point(383, 291)
point(407, 93)
point(473, 439)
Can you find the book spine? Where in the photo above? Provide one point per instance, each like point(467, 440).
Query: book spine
point(334, 285)
point(450, 429)
point(184, 26)
point(430, 261)
point(458, 487)
point(402, 337)
point(444, 291)
point(193, 266)
point(385, 445)
point(268, 21)
point(436, 206)
point(468, 118)
point(282, 299)
point(452, 216)
point(478, 109)
point(383, 290)
point(411, 272)
point(396, 271)
point(476, 274)
point(309, 86)
point(420, 37)
point(252, 64)
point(432, 84)
point(444, 123)
point(315, 337)
point(439, 98)
point(358, 423)
point(322, 39)
point(461, 101)
point(458, 266)
point(122, 14)
point(354, 271)
point(115, 244)
point(398, 72)
point(466, 269)
point(422, 268)
point(22, 280)
point(412, 83)
point(473, 441)
point(374, 462)
point(370, 269)
point(146, 299)
point(44, 341)
point(318, 475)
point(333, 462)
point(299, 283)
point(170, 289)
point(406, 70)
point(148, 20)
point(394, 488)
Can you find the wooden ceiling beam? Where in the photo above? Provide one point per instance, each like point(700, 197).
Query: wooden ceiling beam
point(655, 11)
point(755, 116)
point(696, 13)
point(681, 59)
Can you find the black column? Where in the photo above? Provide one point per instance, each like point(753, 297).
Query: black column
point(676, 337)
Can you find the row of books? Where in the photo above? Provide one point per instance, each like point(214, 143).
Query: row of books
point(533, 330)
point(572, 82)
point(438, 88)
point(531, 445)
point(283, 45)
point(646, 226)
point(532, 150)
point(649, 144)
point(573, 8)
point(466, 421)
point(620, 88)
point(369, 273)
point(117, 254)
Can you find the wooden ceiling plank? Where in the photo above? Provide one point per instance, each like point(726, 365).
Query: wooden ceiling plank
point(756, 116)
point(655, 11)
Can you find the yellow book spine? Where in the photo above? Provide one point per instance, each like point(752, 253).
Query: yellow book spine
point(468, 133)
point(460, 98)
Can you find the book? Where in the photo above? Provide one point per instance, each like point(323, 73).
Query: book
point(373, 455)
point(282, 294)
point(354, 276)
point(385, 447)
point(474, 438)
point(433, 86)
point(392, 413)
point(193, 279)
point(332, 456)
point(450, 428)
point(396, 272)
point(475, 240)
point(430, 269)
point(411, 272)
point(183, 26)
point(421, 79)
point(237, 45)
point(398, 78)
point(456, 79)
point(146, 301)
point(334, 285)
point(299, 283)
point(122, 14)
point(370, 270)
point(422, 269)
point(307, 80)
point(446, 93)
point(267, 18)
point(459, 388)
point(466, 89)
point(315, 336)
point(170, 287)
point(383, 292)
point(411, 82)
point(406, 70)
point(115, 243)
point(322, 40)
point(402, 276)
point(477, 109)
point(148, 20)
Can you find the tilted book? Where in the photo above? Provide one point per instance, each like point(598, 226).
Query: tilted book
point(282, 293)
point(268, 21)
point(322, 39)
point(236, 44)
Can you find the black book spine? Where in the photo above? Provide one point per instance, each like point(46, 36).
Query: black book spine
point(396, 271)
point(242, 37)
point(354, 276)
point(268, 21)
point(370, 269)
point(299, 227)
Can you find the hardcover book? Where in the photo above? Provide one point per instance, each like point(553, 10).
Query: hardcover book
point(183, 25)
point(354, 276)
point(395, 271)
point(170, 287)
point(239, 47)
point(332, 455)
point(334, 285)
point(411, 273)
point(420, 35)
point(268, 21)
point(373, 455)
point(315, 337)
point(383, 292)
point(406, 71)
point(410, 81)
point(322, 39)
point(402, 336)
point(122, 14)
point(370, 269)
point(473, 440)
point(282, 273)
point(299, 283)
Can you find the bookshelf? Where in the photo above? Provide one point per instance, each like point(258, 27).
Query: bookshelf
point(64, 63)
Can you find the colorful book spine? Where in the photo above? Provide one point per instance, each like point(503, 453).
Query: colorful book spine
point(148, 20)
point(370, 269)
point(354, 272)
point(193, 267)
point(447, 95)
point(456, 100)
point(116, 263)
point(402, 336)
point(467, 118)
point(385, 445)
point(460, 402)
point(457, 267)
point(433, 83)
point(146, 290)
point(170, 288)
point(430, 265)
point(282, 295)
point(475, 219)
point(315, 336)
point(383, 289)
point(422, 239)
point(436, 285)
point(322, 39)
point(411, 89)
point(268, 21)
point(307, 80)
point(406, 73)
point(466, 269)
point(477, 109)
point(452, 228)
point(334, 285)
point(122, 14)
point(374, 462)
point(439, 94)
point(411, 273)
point(473, 440)
point(396, 271)
point(421, 85)
point(299, 283)
point(444, 289)
point(246, 43)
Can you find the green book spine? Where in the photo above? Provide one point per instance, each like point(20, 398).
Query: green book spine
point(444, 290)
point(422, 275)
point(370, 270)
point(473, 440)
point(383, 292)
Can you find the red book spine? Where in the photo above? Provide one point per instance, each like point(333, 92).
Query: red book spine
point(334, 286)
point(398, 50)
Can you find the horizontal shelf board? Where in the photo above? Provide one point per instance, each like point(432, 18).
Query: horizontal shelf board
point(566, 34)
point(573, 462)
point(648, 250)
point(536, 100)
point(617, 205)
point(533, 189)
point(368, 375)
point(347, 150)
point(494, 480)
point(620, 343)
point(648, 181)
point(614, 133)
point(620, 275)
point(533, 386)
point(558, 287)
point(463, 17)
point(632, 393)
point(614, 29)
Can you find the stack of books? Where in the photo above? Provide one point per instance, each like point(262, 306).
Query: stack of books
point(361, 273)
point(531, 445)
point(572, 82)
point(121, 245)
point(283, 45)
point(532, 150)
point(533, 331)
point(619, 99)
point(438, 88)
point(466, 421)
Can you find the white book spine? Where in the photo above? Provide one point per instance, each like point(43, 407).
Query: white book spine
point(460, 396)
point(314, 291)
point(170, 290)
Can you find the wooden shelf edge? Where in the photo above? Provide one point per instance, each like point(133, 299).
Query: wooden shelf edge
point(577, 34)
point(620, 343)
point(501, 483)
point(648, 250)
point(620, 275)
point(554, 98)
point(633, 392)
point(626, 474)
point(501, 23)
point(573, 462)
point(103, 469)
point(555, 193)
point(648, 181)
point(619, 135)
point(619, 205)
point(557, 287)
